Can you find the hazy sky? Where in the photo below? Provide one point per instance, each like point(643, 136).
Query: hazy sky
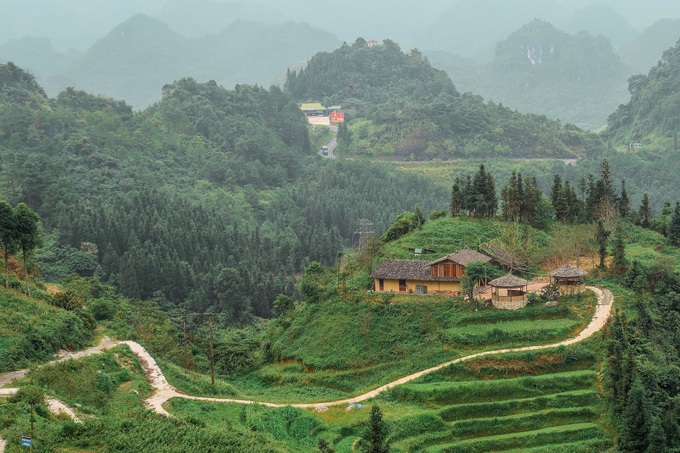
point(78, 23)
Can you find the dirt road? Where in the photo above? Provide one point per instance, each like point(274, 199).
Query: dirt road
point(163, 391)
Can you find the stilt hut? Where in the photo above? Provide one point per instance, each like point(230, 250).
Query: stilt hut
point(569, 279)
point(509, 292)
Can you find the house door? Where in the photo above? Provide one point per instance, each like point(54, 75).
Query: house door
point(402, 285)
point(381, 284)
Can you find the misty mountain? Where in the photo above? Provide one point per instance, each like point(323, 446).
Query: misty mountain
point(644, 51)
point(139, 56)
point(203, 17)
point(472, 28)
point(539, 69)
point(600, 19)
point(36, 54)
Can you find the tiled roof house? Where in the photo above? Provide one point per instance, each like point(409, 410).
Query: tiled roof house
point(410, 276)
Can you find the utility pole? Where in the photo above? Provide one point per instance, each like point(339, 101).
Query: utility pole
point(186, 354)
point(365, 232)
point(212, 360)
point(186, 358)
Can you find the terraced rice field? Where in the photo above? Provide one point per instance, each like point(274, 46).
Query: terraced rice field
point(541, 402)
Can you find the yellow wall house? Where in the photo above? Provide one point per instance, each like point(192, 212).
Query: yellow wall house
point(421, 277)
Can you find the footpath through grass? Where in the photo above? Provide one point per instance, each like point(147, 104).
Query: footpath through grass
point(334, 350)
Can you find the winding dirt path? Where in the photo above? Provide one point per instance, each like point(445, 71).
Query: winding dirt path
point(163, 391)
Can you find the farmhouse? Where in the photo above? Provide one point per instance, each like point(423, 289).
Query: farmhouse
point(422, 277)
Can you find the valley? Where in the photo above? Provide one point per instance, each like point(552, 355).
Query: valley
point(437, 227)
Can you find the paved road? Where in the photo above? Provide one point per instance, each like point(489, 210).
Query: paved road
point(332, 144)
point(163, 391)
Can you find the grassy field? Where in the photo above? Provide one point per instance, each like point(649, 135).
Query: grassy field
point(369, 344)
point(534, 401)
point(107, 392)
point(32, 330)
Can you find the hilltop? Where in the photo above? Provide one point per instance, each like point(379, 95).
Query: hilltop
point(140, 55)
point(539, 69)
point(400, 107)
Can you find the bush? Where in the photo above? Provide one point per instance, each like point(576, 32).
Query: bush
point(103, 309)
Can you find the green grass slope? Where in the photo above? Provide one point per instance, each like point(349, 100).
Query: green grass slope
point(32, 330)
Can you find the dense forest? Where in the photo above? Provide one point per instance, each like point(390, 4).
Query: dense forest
point(399, 105)
point(651, 118)
point(211, 198)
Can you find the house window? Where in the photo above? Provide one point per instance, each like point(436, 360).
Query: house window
point(381, 284)
point(402, 285)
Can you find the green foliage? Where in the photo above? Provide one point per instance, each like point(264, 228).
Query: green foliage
point(404, 224)
point(34, 331)
point(375, 438)
point(400, 106)
point(651, 115)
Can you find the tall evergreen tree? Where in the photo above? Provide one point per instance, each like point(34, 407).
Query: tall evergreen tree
point(8, 236)
point(663, 221)
point(28, 235)
point(619, 263)
point(674, 228)
point(458, 196)
point(636, 421)
point(623, 201)
point(485, 201)
point(645, 212)
point(376, 433)
point(602, 238)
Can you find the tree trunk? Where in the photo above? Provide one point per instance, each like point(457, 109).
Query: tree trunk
point(6, 269)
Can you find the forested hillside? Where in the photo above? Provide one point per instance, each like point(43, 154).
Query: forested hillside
point(398, 105)
point(211, 198)
point(652, 116)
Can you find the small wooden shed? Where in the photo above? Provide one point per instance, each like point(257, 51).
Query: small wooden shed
point(569, 279)
point(509, 292)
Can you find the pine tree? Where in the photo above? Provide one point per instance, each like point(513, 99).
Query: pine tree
point(619, 264)
point(457, 196)
point(663, 222)
point(27, 235)
point(674, 227)
point(8, 239)
point(636, 421)
point(530, 200)
point(376, 433)
point(420, 217)
point(656, 441)
point(608, 191)
point(645, 212)
point(623, 201)
point(483, 194)
point(602, 238)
